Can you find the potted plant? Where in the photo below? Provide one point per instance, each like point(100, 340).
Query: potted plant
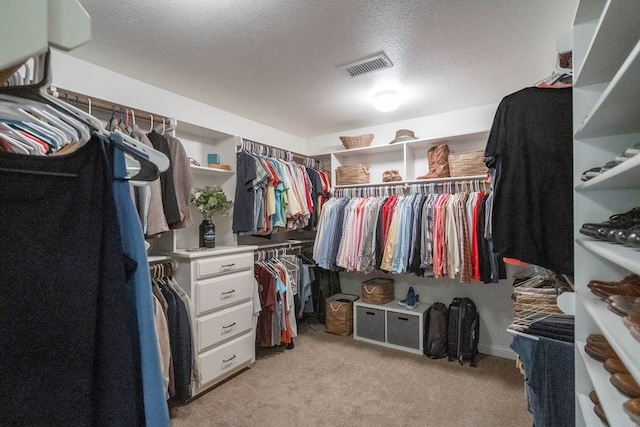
point(210, 200)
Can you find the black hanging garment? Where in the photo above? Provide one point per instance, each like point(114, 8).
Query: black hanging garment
point(463, 331)
point(531, 149)
point(68, 329)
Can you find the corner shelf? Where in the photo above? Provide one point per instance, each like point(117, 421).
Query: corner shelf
point(624, 176)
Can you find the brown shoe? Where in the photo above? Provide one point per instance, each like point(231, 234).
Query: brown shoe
point(627, 289)
point(600, 413)
point(633, 279)
point(596, 339)
point(438, 158)
point(633, 320)
point(626, 384)
point(615, 366)
point(600, 351)
point(623, 298)
point(625, 309)
point(632, 408)
point(594, 397)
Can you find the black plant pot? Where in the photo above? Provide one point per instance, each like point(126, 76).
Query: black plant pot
point(207, 234)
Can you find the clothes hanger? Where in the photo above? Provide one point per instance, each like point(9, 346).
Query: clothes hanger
point(151, 160)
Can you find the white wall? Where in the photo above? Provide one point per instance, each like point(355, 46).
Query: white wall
point(470, 120)
point(91, 80)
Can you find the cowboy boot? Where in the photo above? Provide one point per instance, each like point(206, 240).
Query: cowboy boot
point(438, 158)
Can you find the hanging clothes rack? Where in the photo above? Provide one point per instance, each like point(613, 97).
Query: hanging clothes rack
point(92, 103)
point(261, 149)
point(160, 269)
point(451, 185)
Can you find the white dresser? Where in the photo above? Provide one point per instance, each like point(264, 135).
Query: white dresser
point(220, 284)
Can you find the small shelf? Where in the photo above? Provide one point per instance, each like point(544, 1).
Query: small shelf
point(612, 327)
point(609, 48)
point(616, 113)
point(624, 176)
point(209, 171)
point(610, 398)
point(624, 256)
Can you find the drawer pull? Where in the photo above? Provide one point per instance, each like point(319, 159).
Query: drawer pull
point(228, 293)
point(403, 318)
point(225, 328)
point(229, 359)
point(227, 266)
point(371, 313)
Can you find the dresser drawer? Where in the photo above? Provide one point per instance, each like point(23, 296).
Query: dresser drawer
point(223, 264)
point(225, 324)
point(222, 291)
point(226, 358)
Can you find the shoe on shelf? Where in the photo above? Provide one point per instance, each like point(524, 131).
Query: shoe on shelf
point(600, 413)
point(615, 366)
point(631, 321)
point(594, 397)
point(597, 339)
point(615, 222)
point(633, 239)
point(632, 408)
point(626, 384)
point(622, 298)
point(412, 301)
point(410, 293)
point(622, 235)
point(628, 288)
point(624, 309)
point(600, 351)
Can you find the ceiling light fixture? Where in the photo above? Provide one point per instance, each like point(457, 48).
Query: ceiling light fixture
point(387, 100)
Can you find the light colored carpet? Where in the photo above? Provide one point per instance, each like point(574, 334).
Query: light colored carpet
point(327, 380)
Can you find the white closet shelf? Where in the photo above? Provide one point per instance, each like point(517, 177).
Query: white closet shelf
point(415, 181)
point(586, 407)
point(204, 170)
point(624, 176)
point(610, 398)
point(616, 113)
point(602, 60)
point(621, 255)
point(156, 258)
point(612, 327)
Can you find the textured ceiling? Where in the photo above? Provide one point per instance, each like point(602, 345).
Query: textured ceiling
point(275, 61)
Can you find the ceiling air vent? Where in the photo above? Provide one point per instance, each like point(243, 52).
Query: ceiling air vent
point(367, 65)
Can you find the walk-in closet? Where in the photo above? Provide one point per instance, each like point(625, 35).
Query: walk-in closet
point(319, 213)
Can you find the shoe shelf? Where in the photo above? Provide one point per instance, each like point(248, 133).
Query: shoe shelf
point(612, 327)
point(611, 399)
point(586, 408)
point(626, 175)
point(616, 112)
point(623, 256)
point(204, 170)
point(408, 157)
point(598, 33)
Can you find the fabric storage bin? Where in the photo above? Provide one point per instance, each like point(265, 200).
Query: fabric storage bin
point(377, 291)
point(339, 314)
point(352, 174)
point(467, 164)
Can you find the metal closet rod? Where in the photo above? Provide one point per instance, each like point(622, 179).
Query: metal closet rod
point(277, 152)
point(100, 104)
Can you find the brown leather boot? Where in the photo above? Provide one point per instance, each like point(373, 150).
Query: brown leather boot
point(438, 158)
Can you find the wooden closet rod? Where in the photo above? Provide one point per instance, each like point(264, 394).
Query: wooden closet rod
point(77, 99)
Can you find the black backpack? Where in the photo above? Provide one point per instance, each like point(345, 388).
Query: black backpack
point(436, 323)
point(464, 330)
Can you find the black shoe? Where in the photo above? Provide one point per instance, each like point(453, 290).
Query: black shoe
point(622, 236)
point(607, 230)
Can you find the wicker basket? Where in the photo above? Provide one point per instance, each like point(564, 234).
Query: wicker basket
point(377, 291)
point(357, 141)
point(467, 164)
point(339, 314)
point(352, 174)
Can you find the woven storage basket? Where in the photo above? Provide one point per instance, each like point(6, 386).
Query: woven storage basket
point(339, 314)
point(377, 291)
point(352, 174)
point(467, 163)
point(357, 141)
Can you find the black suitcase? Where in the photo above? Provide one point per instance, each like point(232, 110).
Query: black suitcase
point(464, 330)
